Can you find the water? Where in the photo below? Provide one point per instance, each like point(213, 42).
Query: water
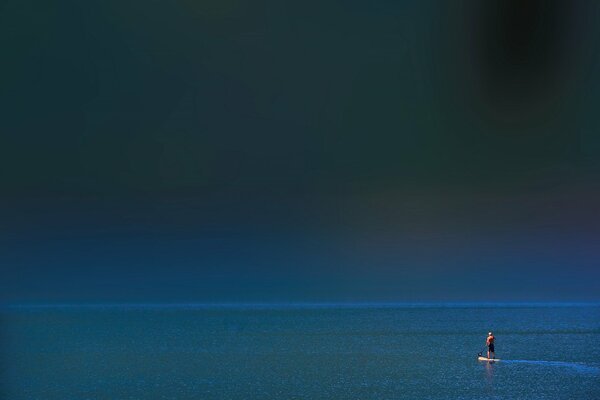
point(299, 352)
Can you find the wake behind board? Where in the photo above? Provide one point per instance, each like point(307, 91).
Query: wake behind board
point(487, 359)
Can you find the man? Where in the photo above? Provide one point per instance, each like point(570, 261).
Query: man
point(490, 344)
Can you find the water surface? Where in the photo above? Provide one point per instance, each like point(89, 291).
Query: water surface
point(327, 351)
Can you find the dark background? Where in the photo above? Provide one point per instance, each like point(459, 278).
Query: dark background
point(230, 150)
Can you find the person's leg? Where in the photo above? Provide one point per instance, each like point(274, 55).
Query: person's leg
point(488, 353)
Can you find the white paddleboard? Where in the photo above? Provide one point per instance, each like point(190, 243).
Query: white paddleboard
point(487, 359)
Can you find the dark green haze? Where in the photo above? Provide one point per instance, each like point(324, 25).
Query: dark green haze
point(231, 150)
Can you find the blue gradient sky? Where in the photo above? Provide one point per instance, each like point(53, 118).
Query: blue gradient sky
point(326, 151)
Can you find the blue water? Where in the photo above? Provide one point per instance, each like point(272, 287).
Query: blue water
point(299, 352)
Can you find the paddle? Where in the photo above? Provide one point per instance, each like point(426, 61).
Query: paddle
point(481, 352)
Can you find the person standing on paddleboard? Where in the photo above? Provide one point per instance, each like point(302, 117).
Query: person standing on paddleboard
point(490, 344)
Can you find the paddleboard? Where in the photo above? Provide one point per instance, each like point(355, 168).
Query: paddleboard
point(487, 359)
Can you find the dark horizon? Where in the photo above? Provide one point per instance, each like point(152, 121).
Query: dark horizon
point(255, 152)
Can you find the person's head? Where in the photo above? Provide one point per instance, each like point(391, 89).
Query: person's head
point(490, 334)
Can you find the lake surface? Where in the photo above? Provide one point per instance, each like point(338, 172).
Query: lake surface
point(403, 351)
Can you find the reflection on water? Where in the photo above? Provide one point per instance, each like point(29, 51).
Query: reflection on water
point(489, 372)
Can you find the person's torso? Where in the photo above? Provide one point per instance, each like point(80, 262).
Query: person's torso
point(491, 339)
